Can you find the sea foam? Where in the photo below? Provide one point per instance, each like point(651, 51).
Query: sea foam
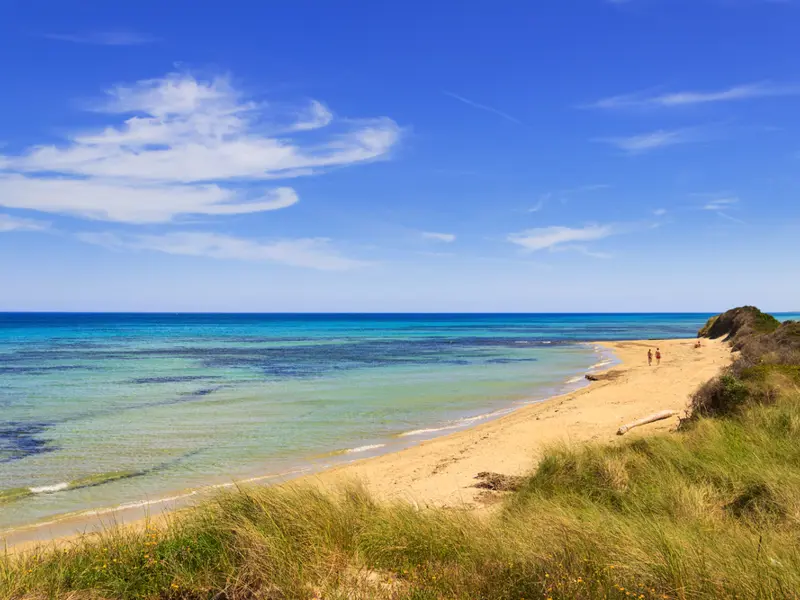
point(366, 448)
point(49, 489)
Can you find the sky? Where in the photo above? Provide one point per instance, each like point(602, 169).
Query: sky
point(362, 156)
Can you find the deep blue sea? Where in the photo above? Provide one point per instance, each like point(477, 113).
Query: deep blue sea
point(99, 410)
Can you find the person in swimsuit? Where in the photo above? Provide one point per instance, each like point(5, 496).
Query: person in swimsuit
point(658, 356)
point(649, 357)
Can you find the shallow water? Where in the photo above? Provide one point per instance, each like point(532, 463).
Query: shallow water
point(99, 410)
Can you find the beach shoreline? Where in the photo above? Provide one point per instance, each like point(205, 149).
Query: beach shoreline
point(441, 471)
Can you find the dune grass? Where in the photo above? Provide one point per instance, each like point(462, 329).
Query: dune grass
point(710, 512)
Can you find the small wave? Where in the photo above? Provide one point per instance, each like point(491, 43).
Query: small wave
point(99, 512)
point(547, 342)
point(602, 363)
point(461, 423)
point(49, 489)
point(424, 431)
point(575, 379)
point(522, 342)
point(141, 504)
point(364, 448)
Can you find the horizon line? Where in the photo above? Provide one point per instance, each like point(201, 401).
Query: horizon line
point(377, 313)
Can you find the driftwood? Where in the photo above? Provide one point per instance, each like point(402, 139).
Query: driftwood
point(498, 482)
point(607, 376)
point(664, 414)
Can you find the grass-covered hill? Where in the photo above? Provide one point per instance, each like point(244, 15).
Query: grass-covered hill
point(712, 511)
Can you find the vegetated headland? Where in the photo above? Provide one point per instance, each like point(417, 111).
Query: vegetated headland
point(711, 510)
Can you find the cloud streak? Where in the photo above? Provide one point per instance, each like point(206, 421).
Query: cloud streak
point(484, 107)
point(9, 223)
point(439, 237)
point(721, 205)
point(103, 38)
point(187, 147)
point(647, 142)
point(692, 98)
point(558, 237)
point(314, 253)
point(728, 217)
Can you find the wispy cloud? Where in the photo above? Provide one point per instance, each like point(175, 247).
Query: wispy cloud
point(193, 147)
point(581, 249)
point(565, 194)
point(689, 98)
point(728, 217)
point(721, 207)
point(539, 205)
point(479, 106)
point(660, 212)
point(439, 237)
point(646, 142)
point(315, 253)
point(104, 38)
point(721, 203)
point(9, 223)
point(559, 238)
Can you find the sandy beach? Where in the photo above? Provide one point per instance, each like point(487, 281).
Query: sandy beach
point(441, 471)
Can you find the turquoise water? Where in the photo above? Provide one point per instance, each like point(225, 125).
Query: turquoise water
point(97, 410)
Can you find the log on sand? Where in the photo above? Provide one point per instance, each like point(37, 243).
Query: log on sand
point(664, 414)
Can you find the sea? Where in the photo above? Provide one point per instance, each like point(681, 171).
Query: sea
point(109, 410)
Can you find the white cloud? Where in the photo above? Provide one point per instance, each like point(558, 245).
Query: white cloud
point(660, 212)
point(315, 253)
point(187, 147)
point(439, 237)
point(479, 106)
point(132, 201)
point(638, 144)
point(104, 38)
point(557, 238)
point(540, 204)
point(317, 115)
point(689, 98)
point(9, 223)
point(721, 203)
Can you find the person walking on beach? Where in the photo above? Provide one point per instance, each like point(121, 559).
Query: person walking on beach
point(649, 357)
point(658, 356)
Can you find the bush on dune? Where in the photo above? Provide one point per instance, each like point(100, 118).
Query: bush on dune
point(739, 322)
point(766, 365)
point(710, 512)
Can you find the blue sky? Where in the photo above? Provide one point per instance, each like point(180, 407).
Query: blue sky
point(589, 155)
